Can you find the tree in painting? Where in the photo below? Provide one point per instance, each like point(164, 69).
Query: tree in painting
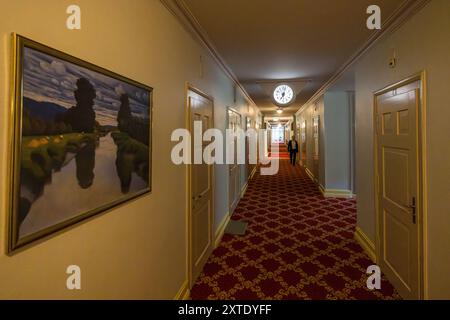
point(81, 118)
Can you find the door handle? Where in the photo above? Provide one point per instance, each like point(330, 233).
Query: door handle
point(197, 197)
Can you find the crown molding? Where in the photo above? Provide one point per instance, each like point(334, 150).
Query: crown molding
point(398, 18)
point(181, 11)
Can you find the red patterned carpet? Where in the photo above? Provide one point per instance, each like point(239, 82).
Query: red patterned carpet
point(282, 152)
point(299, 245)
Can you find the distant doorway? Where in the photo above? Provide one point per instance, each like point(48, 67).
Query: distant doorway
point(277, 135)
point(303, 155)
point(234, 192)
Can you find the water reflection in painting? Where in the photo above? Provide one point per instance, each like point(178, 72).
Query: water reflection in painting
point(85, 141)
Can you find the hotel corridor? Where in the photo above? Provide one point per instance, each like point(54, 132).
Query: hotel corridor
point(298, 245)
point(205, 151)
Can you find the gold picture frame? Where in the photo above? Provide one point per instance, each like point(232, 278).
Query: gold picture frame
point(103, 142)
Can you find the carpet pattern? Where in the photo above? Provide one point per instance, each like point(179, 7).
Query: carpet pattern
point(282, 151)
point(299, 245)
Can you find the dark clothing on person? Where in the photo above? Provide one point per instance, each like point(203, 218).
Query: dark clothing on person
point(293, 150)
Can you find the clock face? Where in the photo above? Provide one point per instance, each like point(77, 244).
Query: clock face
point(283, 94)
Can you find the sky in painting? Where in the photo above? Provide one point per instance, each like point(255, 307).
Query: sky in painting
point(49, 79)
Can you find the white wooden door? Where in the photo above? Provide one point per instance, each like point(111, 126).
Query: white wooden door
point(234, 123)
point(202, 190)
point(303, 145)
point(251, 125)
point(316, 147)
point(398, 167)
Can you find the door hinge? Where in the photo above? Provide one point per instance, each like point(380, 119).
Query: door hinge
point(377, 130)
point(413, 209)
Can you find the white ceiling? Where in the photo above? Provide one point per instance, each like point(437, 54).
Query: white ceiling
point(274, 40)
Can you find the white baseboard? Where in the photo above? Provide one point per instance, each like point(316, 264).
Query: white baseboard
point(322, 189)
point(221, 230)
point(336, 193)
point(184, 292)
point(309, 173)
point(366, 244)
point(244, 189)
point(253, 173)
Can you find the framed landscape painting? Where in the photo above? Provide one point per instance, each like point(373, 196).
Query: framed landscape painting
point(81, 144)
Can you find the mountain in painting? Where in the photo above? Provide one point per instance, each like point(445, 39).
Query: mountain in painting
point(43, 110)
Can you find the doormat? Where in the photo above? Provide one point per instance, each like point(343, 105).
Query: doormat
point(236, 227)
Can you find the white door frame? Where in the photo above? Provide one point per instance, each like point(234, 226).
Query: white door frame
point(421, 177)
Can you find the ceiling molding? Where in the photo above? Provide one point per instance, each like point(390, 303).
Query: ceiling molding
point(181, 11)
point(398, 18)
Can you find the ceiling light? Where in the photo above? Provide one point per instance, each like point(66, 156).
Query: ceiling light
point(276, 119)
point(280, 110)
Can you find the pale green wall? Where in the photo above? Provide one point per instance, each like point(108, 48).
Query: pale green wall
point(334, 139)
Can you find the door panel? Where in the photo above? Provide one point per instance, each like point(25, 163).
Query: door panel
point(397, 234)
point(398, 187)
point(201, 190)
point(396, 175)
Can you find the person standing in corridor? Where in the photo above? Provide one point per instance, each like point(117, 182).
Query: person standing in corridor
point(293, 150)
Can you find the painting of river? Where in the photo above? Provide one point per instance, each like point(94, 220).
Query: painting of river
point(85, 141)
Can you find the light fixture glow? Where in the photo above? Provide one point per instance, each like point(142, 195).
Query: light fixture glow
point(280, 110)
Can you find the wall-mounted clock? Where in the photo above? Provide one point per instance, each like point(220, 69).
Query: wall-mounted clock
point(283, 95)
